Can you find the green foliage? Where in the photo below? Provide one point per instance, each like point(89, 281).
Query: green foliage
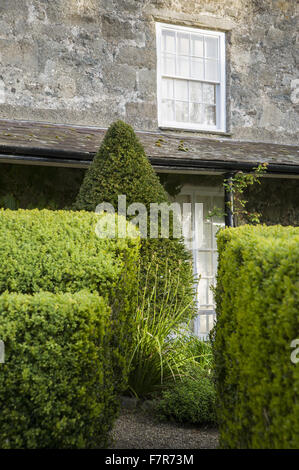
point(237, 186)
point(30, 186)
point(276, 200)
point(8, 201)
point(257, 298)
point(171, 182)
point(60, 252)
point(56, 385)
point(191, 399)
point(201, 351)
point(161, 350)
point(121, 168)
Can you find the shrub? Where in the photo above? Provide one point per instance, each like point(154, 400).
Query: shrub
point(121, 167)
point(56, 386)
point(60, 252)
point(257, 299)
point(200, 350)
point(190, 399)
point(161, 339)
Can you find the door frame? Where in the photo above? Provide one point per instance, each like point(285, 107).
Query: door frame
point(192, 191)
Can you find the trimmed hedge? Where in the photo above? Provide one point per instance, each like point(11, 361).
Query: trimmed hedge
point(121, 167)
point(59, 251)
point(56, 386)
point(257, 298)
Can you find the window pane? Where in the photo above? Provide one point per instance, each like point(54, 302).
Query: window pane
point(207, 236)
point(204, 263)
point(169, 64)
point(211, 44)
point(207, 204)
point(181, 90)
point(219, 203)
point(197, 68)
point(186, 218)
point(215, 260)
point(197, 45)
point(204, 297)
point(168, 41)
point(211, 70)
point(206, 322)
point(195, 91)
point(183, 44)
point(216, 227)
point(210, 115)
point(196, 112)
point(183, 66)
point(211, 321)
point(206, 243)
point(167, 88)
point(203, 323)
point(168, 110)
point(181, 111)
point(208, 93)
point(210, 292)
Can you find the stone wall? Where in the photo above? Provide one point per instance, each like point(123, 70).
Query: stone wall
point(93, 61)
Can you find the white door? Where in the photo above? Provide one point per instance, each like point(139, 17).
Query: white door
point(204, 248)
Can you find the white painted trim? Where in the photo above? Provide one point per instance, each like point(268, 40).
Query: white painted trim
point(204, 310)
point(220, 88)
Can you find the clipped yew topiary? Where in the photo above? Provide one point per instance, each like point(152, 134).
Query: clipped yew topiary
point(121, 167)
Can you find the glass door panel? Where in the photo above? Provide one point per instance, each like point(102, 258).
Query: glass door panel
point(204, 249)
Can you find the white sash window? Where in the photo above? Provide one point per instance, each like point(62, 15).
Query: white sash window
point(190, 78)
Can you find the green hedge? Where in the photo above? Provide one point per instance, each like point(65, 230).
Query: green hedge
point(121, 167)
point(56, 385)
point(257, 298)
point(59, 251)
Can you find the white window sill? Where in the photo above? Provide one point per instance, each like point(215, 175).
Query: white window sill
point(201, 130)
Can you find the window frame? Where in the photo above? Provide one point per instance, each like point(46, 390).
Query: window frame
point(220, 88)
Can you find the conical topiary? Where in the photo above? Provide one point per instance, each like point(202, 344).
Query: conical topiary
point(121, 167)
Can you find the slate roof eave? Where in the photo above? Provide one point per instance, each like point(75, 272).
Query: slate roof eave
point(68, 143)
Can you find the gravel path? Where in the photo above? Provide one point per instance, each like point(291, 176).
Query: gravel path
point(136, 430)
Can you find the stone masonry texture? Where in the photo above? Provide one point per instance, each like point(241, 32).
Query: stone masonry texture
point(91, 62)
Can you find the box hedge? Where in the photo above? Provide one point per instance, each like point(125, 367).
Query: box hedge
point(43, 255)
point(59, 251)
point(56, 385)
point(257, 298)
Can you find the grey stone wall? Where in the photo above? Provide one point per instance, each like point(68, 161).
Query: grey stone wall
point(93, 61)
